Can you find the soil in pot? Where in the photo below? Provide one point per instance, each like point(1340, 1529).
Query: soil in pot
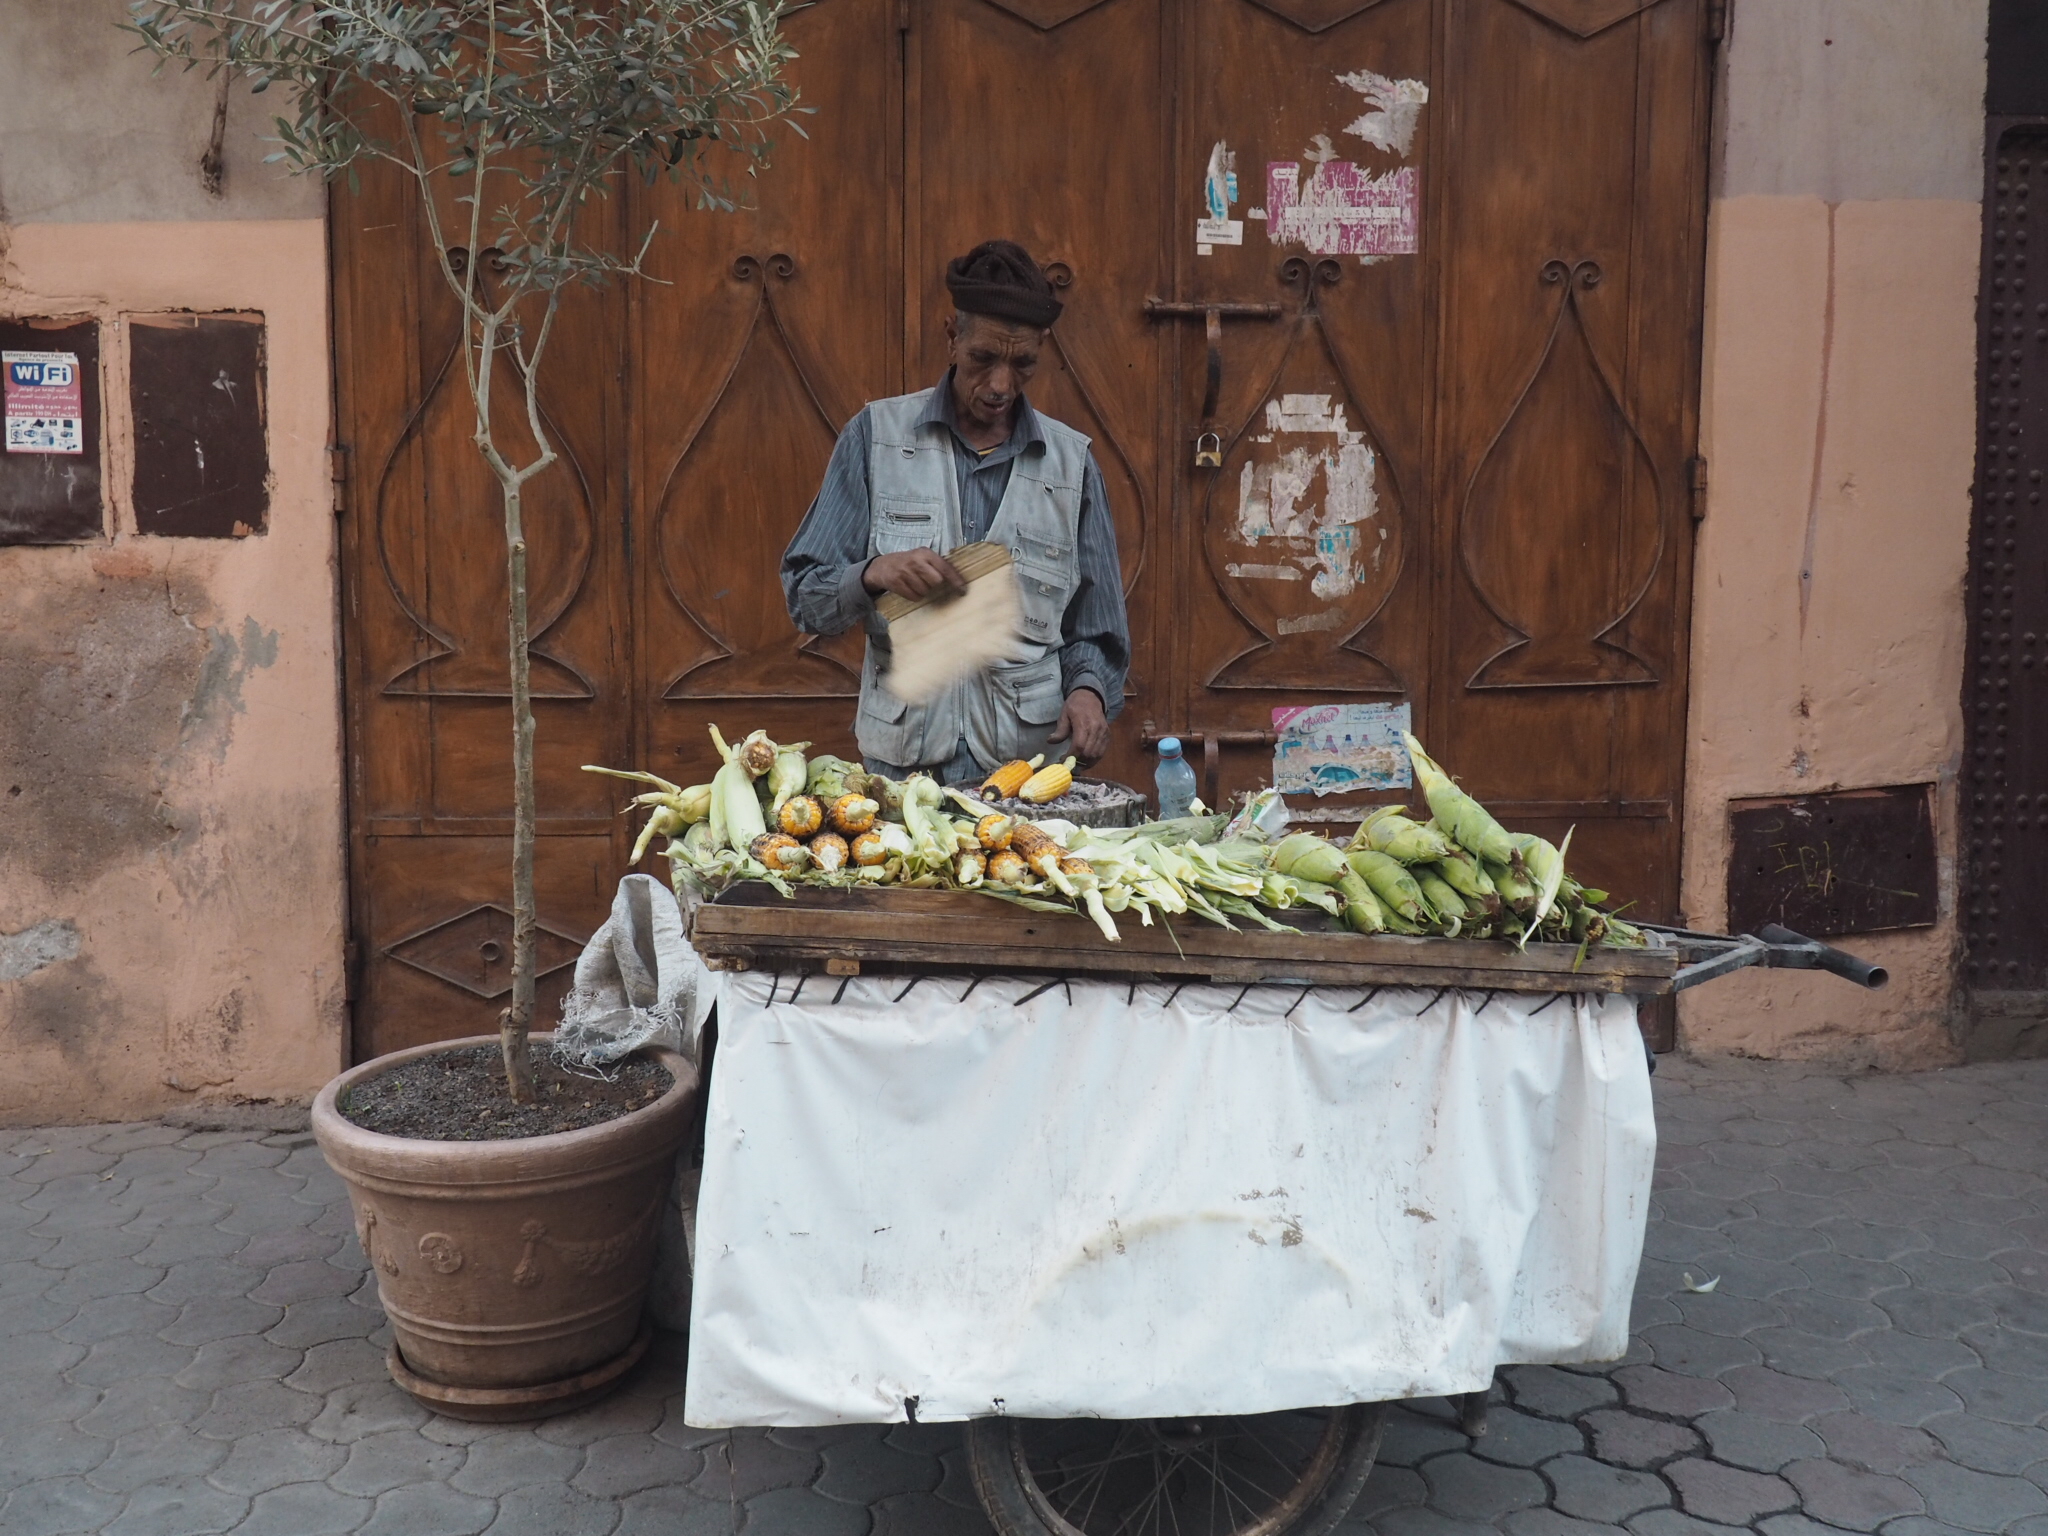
point(460, 1095)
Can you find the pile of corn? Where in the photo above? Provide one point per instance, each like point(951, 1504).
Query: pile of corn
point(772, 814)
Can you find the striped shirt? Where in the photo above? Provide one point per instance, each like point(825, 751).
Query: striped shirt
point(824, 564)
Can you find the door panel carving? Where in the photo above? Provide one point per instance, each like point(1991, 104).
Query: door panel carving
point(1304, 520)
point(1586, 17)
point(1046, 14)
point(710, 518)
point(1564, 519)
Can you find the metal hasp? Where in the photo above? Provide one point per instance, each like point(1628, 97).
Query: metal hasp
point(1209, 440)
point(1706, 956)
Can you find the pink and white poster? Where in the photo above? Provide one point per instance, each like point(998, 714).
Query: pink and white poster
point(44, 401)
point(1341, 210)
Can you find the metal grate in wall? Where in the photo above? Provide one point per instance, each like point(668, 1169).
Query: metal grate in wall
point(2005, 770)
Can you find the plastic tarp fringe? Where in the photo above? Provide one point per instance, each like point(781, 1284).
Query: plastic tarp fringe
point(1155, 1202)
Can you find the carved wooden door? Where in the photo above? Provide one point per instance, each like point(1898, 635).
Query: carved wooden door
point(1452, 473)
point(1455, 460)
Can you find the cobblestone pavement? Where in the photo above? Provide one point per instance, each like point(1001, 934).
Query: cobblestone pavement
point(189, 1343)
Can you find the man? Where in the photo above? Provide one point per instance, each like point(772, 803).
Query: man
point(917, 476)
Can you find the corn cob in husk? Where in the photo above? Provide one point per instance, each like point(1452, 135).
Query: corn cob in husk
point(1468, 823)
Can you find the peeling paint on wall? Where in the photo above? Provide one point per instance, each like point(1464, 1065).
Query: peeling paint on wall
point(1396, 110)
point(1312, 495)
point(50, 942)
point(208, 721)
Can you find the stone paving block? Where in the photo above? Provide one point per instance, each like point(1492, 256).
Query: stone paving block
point(506, 1459)
point(744, 1463)
point(140, 1402)
point(956, 1485)
point(304, 1280)
point(1655, 1390)
point(1874, 1445)
point(635, 1411)
point(378, 1463)
point(1590, 1490)
point(238, 1358)
point(1556, 1394)
point(270, 1458)
point(869, 1469)
point(357, 1412)
point(1935, 1316)
point(1516, 1439)
point(1841, 1274)
point(1976, 1501)
point(109, 1317)
point(1882, 1393)
point(1466, 1488)
point(58, 1506)
point(103, 1277)
point(1757, 1443)
point(1549, 1522)
point(1409, 1438)
point(1870, 1239)
point(194, 1278)
point(1801, 1525)
point(1727, 1314)
point(292, 1245)
point(1949, 1275)
point(1684, 1208)
point(31, 1356)
point(1676, 1522)
point(306, 1323)
point(1689, 1352)
point(248, 1406)
point(1831, 1317)
point(1926, 1525)
point(1798, 1353)
point(1683, 1245)
point(549, 1509)
point(175, 1245)
point(46, 1449)
point(1765, 1239)
point(1997, 1395)
point(1388, 1488)
point(436, 1508)
point(621, 1464)
point(909, 1515)
point(127, 1356)
point(1917, 1356)
point(2011, 1305)
point(800, 1512)
point(179, 1508)
point(1728, 1495)
point(1421, 1520)
point(158, 1454)
point(304, 1509)
point(1625, 1439)
point(338, 1363)
point(85, 1236)
point(1850, 1499)
point(1988, 1445)
point(1979, 1179)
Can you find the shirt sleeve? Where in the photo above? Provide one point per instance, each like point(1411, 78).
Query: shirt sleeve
point(823, 566)
point(1095, 650)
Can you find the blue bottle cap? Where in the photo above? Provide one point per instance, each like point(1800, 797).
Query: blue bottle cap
point(1169, 746)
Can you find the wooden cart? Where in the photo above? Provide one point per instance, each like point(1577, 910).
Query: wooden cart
point(1280, 1474)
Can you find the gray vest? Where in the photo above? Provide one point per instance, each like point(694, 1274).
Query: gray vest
point(1009, 711)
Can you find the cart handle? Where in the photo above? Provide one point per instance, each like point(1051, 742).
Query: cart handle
point(1795, 951)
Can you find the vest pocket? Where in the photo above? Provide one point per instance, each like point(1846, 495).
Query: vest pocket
point(1032, 691)
point(901, 525)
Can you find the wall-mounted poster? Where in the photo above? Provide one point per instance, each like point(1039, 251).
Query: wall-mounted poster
point(1328, 749)
point(45, 402)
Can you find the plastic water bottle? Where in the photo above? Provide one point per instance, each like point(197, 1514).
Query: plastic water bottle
point(1175, 780)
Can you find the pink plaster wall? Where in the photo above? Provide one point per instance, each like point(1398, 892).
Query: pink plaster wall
point(1839, 424)
point(170, 756)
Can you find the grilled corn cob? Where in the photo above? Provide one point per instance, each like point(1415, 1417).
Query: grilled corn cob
point(869, 850)
point(1049, 783)
point(1008, 867)
point(1037, 848)
point(779, 852)
point(1004, 783)
point(829, 851)
point(851, 815)
point(993, 832)
point(969, 865)
point(800, 815)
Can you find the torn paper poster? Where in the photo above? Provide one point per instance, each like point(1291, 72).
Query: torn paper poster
point(1396, 109)
point(1327, 749)
point(1219, 184)
point(44, 402)
point(1342, 210)
point(1311, 492)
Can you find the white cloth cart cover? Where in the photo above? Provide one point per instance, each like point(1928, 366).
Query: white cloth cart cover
point(1156, 1201)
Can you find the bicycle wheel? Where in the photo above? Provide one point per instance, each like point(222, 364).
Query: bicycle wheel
point(1271, 1474)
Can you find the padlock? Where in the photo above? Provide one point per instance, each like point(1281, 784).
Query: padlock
point(1208, 451)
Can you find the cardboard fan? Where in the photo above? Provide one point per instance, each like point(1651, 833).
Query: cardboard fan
point(936, 640)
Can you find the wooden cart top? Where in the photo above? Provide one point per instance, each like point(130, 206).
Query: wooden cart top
point(750, 925)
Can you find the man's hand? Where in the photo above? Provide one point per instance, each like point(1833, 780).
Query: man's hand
point(914, 573)
point(1085, 724)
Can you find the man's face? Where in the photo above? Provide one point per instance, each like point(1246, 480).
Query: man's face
point(993, 361)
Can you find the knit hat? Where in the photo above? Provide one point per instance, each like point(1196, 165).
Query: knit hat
point(999, 278)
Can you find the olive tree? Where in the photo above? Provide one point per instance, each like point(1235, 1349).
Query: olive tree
point(510, 117)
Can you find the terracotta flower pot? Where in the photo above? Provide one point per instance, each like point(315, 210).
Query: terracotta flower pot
point(514, 1272)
